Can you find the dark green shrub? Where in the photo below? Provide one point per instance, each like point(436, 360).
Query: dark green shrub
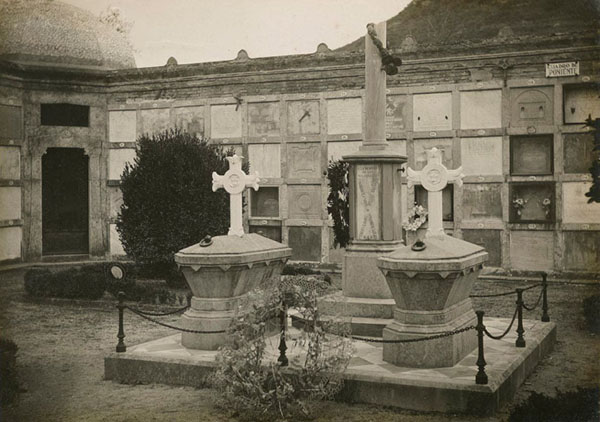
point(572, 406)
point(591, 313)
point(338, 204)
point(168, 202)
point(9, 385)
point(73, 283)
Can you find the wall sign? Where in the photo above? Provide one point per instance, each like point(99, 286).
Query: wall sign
point(556, 70)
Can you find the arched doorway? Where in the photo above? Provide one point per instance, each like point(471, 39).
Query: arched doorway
point(65, 210)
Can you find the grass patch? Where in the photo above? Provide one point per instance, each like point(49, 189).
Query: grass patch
point(572, 406)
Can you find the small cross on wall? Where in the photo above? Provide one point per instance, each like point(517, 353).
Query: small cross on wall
point(234, 181)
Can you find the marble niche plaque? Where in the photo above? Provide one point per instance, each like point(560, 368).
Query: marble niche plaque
point(226, 121)
point(305, 243)
point(579, 102)
point(304, 202)
point(10, 242)
point(531, 155)
point(336, 150)
point(490, 240)
point(531, 106)
point(532, 250)
point(538, 202)
point(271, 232)
point(481, 156)
point(578, 152)
point(481, 109)
point(190, 120)
point(10, 122)
point(10, 203)
point(10, 163)
point(304, 160)
point(421, 147)
point(583, 251)
point(303, 117)
point(344, 116)
point(265, 159)
point(368, 182)
point(432, 112)
point(116, 247)
point(122, 126)
point(395, 113)
point(482, 201)
point(117, 158)
point(155, 120)
point(576, 209)
point(265, 202)
point(263, 119)
point(115, 198)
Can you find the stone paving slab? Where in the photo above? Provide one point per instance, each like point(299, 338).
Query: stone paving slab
point(368, 378)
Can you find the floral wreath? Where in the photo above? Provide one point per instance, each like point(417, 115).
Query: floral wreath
point(417, 216)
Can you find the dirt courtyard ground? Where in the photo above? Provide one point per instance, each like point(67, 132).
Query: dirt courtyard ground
point(62, 347)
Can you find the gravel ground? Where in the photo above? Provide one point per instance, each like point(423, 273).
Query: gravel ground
point(61, 351)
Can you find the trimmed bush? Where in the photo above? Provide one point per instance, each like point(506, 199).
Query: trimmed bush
point(591, 313)
point(73, 283)
point(338, 204)
point(168, 202)
point(572, 406)
point(9, 385)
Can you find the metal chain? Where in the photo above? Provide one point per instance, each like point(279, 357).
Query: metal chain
point(176, 311)
point(185, 330)
point(532, 287)
point(528, 308)
point(410, 340)
point(490, 335)
point(512, 292)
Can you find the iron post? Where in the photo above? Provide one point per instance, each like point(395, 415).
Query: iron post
point(481, 377)
point(283, 360)
point(545, 316)
point(520, 342)
point(121, 335)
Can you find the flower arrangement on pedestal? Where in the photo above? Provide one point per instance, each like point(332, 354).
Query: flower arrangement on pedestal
point(417, 216)
point(519, 204)
point(547, 205)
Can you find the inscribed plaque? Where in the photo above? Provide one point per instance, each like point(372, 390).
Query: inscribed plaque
point(263, 119)
point(115, 197)
point(423, 145)
point(575, 206)
point(532, 202)
point(482, 201)
point(583, 251)
point(580, 102)
point(270, 232)
point(432, 111)
point(336, 150)
point(10, 122)
point(531, 106)
point(226, 121)
point(116, 247)
point(304, 160)
point(122, 126)
point(481, 109)
point(532, 250)
point(395, 113)
point(117, 158)
point(531, 155)
point(10, 203)
point(155, 120)
point(488, 239)
point(303, 117)
point(305, 243)
point(481, 156)
point(10, 163)
point(10, 242)
point(190, 120)
point(578, 152)
point(265, 202)
point(398, 146)
point(368, 183)
point(265, 159)
point(447, 200)
point(304, 202)
point(344, 116)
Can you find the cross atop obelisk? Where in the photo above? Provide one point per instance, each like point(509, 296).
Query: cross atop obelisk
point(234, 182)
point(434, 177)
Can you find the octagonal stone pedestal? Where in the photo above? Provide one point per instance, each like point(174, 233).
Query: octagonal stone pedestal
point(431, 289)
point(220, 275)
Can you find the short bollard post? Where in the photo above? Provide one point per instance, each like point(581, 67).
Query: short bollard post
point(481, 377)
point(283, 360)
point(121, 306)
point(520, 340)
point(545, 317)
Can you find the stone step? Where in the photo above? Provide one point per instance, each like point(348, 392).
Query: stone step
point(360, 326)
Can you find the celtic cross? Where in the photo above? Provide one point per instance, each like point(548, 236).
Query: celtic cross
point(234, 181)
point(434, 177)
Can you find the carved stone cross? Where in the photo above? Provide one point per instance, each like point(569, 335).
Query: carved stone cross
point(434, 177)
point(234, 182)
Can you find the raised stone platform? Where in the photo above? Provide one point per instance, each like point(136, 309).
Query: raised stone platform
point(368, 378)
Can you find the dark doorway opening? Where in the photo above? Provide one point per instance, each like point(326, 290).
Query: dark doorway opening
point(65, 202)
